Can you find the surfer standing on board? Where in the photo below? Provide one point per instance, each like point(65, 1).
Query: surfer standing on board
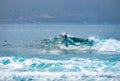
point(67, 40)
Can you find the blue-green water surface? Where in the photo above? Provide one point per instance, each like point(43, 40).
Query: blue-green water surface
point(25, 55)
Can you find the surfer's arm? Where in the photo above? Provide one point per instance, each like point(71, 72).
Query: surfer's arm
point(62, 36)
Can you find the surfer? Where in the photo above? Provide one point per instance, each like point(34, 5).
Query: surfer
point(67, 40)
point(75, 41)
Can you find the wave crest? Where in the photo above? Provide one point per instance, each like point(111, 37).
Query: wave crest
point(52, 46)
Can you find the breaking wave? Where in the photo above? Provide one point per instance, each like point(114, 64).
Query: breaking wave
point(109, 45)
point(47, 46)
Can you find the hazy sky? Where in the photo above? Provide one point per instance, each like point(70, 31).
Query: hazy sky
point(60, 10)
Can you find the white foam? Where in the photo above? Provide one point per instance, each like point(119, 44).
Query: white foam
point(109, 45)
point(62, 76)
point(74, 69)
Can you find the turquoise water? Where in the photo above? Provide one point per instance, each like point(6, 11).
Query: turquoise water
point(27, 54)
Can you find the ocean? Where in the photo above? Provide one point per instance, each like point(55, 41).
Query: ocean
point(27, 52)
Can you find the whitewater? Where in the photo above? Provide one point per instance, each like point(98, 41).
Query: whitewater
point(28, 54)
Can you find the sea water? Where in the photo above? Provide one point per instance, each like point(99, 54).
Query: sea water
point(27, 55)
